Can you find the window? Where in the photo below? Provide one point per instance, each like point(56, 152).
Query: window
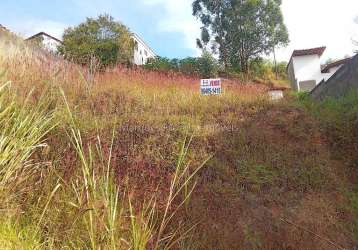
point(145, 53)
point(136, 45)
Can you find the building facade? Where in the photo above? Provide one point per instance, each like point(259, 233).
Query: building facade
point(305, 71)
point(142, 52)
point(45, 41)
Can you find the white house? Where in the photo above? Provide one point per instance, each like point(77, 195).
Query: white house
point(329, 69)
point(48, 42)
point(305, 71)
point(142, 52)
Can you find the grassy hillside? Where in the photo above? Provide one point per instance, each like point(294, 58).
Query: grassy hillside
point(131, 159)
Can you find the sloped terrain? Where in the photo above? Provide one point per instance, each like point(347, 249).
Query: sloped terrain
point(270, 178)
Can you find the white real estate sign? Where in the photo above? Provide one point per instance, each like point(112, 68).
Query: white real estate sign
point(210, 87)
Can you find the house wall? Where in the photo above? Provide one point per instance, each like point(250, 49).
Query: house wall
point(291, 76)
point(141, 52)
point(50, 44)
point(307, 68)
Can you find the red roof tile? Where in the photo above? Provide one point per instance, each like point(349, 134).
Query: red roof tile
point(306, 52)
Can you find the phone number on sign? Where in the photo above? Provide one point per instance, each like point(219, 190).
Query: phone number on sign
point(211, 91)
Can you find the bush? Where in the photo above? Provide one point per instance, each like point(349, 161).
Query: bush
point(189, 66)
point(205, 66)
point(160, 64)
point(208, 65)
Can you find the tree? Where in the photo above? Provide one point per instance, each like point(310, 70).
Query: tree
point(267, 70)
point(240, 30)
point(189, 66)
point(102, 38)
point(207, 65)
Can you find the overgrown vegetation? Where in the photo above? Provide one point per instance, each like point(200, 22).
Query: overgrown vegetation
point(205, 66)
point(101, 43)
point(338, 119)
point(137, 159)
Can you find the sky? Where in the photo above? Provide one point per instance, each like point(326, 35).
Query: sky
point(170, 29)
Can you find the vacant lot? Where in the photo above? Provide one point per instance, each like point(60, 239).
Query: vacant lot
point(130, 159)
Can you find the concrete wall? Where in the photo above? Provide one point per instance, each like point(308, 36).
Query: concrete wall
point(275, 95)
point(331, 72)
point(343, 81)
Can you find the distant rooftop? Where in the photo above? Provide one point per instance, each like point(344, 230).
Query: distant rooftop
point(327, 67)
point(43, 34)
point(307, 52)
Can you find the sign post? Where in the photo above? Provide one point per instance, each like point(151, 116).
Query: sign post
point(210, 87)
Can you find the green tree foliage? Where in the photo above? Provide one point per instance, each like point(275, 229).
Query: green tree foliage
point(160, 64)
point(102, 38)
point(266, 69)
point(240, 30)
point(205, 66)
point(189, 66)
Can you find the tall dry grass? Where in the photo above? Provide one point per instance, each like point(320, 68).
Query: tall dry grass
point(98, 214)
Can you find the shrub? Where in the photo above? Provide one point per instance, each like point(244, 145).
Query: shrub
point(205, 66)
point(160, 64)
point(189, 66)
point(208, 66)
